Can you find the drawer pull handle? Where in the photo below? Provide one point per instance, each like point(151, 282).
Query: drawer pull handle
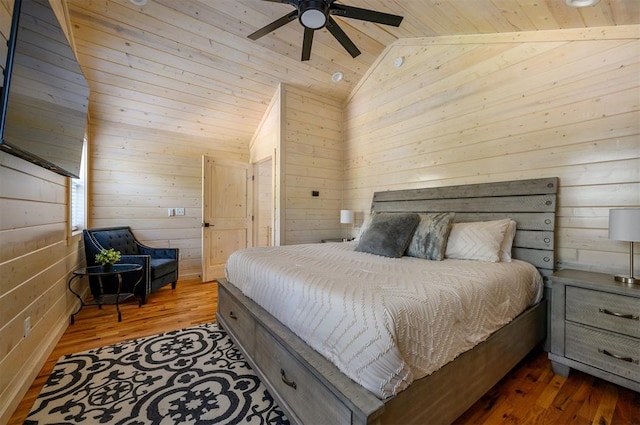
point(622, 315)
point(292, 384)
point(615, 356)
point(233, 315)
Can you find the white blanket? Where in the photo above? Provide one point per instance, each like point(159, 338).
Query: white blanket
point(383, 322)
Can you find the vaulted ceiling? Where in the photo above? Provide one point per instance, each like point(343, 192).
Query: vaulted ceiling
point(187, 66)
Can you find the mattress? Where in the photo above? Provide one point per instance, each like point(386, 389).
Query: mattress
point(383, 322)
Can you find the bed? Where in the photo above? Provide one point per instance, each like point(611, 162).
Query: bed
point(312, 386)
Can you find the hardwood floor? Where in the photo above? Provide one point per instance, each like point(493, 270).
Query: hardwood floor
point(530, 394)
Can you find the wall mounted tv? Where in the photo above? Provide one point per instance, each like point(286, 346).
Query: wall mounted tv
point(45, 95)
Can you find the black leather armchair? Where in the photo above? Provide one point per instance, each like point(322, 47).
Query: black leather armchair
point(159, 265)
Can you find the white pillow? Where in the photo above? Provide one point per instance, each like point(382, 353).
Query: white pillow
point(507, 243)
point(479, 240)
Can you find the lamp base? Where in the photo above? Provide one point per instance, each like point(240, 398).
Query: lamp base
point(629, 280)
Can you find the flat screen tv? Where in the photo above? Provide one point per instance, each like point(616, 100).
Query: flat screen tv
point(45, 96)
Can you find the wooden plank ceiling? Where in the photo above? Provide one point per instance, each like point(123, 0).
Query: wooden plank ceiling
point(187, 66)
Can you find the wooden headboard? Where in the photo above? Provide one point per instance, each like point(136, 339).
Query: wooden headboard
point(531, 203)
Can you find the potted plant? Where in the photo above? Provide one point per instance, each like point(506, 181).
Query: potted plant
point(107, 257)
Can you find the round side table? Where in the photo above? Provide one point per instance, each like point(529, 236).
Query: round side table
point(116, 270)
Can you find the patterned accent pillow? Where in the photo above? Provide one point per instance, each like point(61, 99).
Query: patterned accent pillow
point(430, 238)
point(477, 240)
point(388, 234)
point(507, 243)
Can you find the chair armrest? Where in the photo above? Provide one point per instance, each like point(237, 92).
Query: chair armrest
point(143, 260)
point(158, 252)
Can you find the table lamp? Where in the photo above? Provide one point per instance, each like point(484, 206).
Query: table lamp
point(624, 225)
point(346, 217)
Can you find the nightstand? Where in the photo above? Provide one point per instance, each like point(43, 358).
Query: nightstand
point(595, 327)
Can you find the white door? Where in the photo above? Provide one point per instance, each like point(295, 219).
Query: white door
point(226, 213)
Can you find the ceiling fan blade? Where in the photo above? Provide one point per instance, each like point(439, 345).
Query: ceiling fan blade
point(291, 2)
point(274, 25)
point(306, 44)
point(346, 42)
point(365, 14)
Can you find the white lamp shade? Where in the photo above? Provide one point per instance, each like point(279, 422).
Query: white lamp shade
point(346, 216)
point(624, 224)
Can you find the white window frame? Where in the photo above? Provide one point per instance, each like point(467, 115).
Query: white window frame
point(78, 197)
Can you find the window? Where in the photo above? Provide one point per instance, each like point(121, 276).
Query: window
point(77, 196)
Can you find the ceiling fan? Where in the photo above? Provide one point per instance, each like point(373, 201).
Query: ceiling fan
point(316, 14)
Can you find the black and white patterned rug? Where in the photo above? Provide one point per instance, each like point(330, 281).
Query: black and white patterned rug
point(191, 376)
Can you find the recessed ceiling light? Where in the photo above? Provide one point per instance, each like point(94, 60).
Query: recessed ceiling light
point(138, 2)
point(398, 62)
point(581, 3)
point(337, 77)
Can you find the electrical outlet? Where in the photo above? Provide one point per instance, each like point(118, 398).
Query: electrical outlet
point(27, 326)
point(179, 211)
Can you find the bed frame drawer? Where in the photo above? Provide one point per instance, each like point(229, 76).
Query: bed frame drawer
point(238, 316)
point(613, 312)
point(307, 398)
point(604, 350)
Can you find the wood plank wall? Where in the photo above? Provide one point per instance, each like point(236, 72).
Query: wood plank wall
point(484, 108)
point(137, 174)
point(37, 257)
point(265, 144)
point(305, 131)
point(313, 160)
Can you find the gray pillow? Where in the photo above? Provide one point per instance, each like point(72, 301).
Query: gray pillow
point(388, 234)
point(430, 238)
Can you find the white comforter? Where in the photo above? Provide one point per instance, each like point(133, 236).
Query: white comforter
point(383, 322)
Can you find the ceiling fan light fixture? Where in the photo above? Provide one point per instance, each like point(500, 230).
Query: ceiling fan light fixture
point(316, 14)
point(313, 14)
point(581, 3)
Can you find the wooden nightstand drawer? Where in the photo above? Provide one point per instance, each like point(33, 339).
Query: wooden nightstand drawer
point(603, 310)
point(311, 402)
point(595, 327)
point(604, 350)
